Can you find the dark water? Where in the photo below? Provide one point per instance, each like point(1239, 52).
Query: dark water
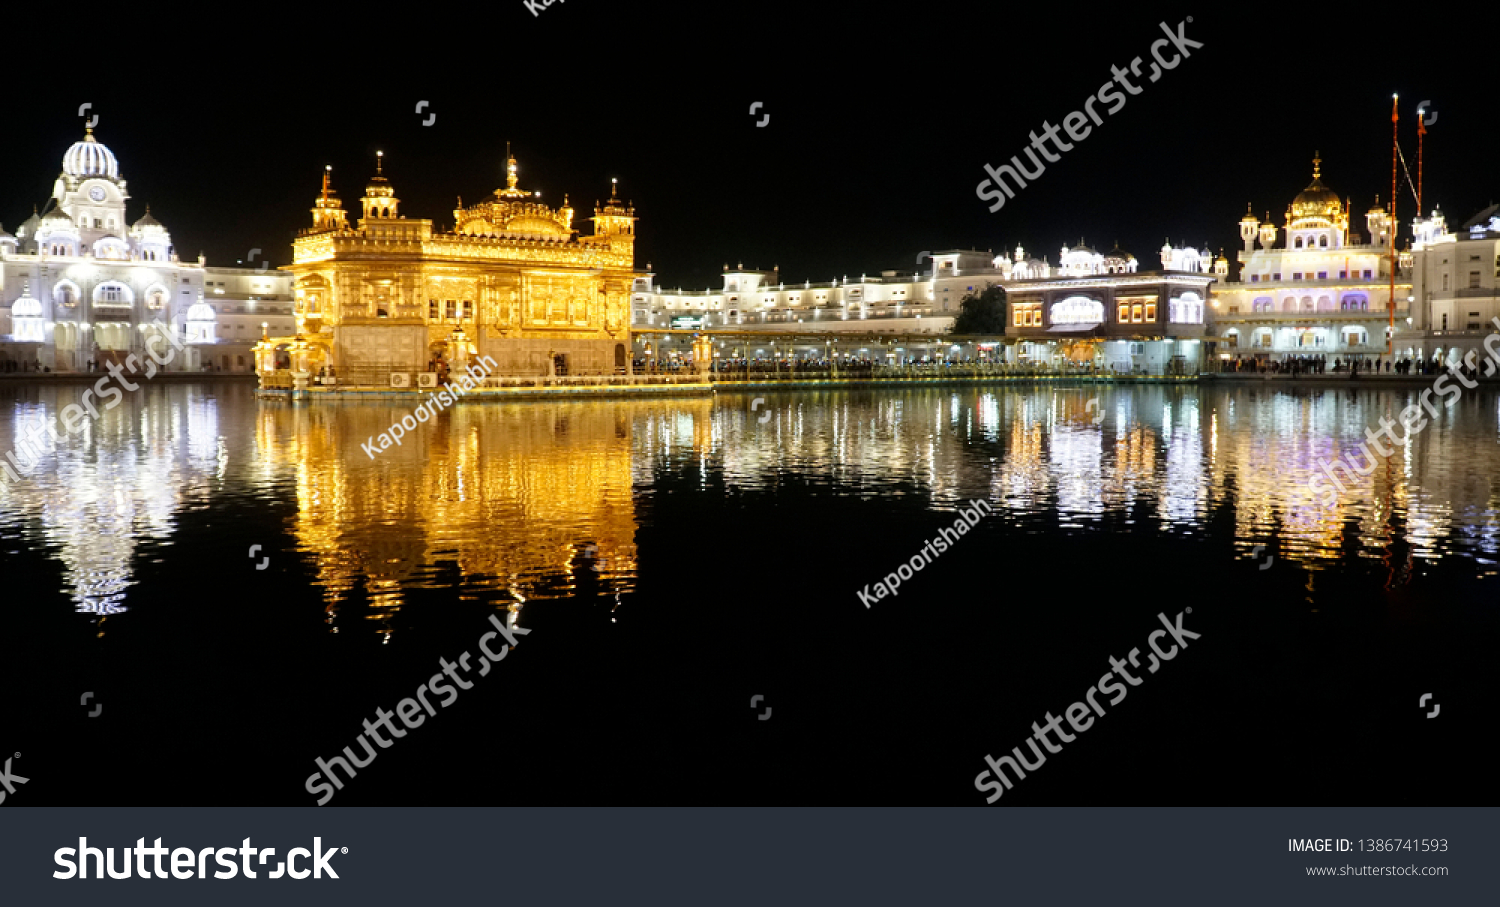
point(674, 558)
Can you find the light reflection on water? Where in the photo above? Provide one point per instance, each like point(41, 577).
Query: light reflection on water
point(518, 498)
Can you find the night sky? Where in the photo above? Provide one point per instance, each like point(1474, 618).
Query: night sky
point(881, 121)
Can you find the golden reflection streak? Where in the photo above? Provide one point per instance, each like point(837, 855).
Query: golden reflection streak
point(513, 494)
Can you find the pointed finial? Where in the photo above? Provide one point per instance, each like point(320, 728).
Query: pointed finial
point(1317, 164)
point(378, 156)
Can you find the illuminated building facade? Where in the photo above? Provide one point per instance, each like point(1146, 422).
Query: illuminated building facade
point(1456, 287)
point(848, 312)
point(79, 283)
point(510, 281)
point(1323, 293)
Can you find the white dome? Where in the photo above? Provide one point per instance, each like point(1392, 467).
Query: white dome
point(200, 311)
point(89, 158)
point(26, 307)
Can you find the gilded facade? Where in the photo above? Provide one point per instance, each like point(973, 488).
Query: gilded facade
point(511, 280)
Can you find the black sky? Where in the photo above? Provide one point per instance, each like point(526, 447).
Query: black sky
point(881, 120)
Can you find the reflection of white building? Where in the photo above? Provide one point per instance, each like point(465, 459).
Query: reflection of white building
point(81, 283)
point(94, 499)
point(1456, 287)
point(1323, 293)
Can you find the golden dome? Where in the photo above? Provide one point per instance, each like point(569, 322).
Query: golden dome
point(1317, 200)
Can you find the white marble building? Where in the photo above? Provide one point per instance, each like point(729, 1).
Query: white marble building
point(1455, 285)
point(81, 284)
point(1323, 293)
point(845, 312)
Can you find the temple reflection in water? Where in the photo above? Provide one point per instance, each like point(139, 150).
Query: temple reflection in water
point(93, 497)
point(518, 497)
point(511, 503)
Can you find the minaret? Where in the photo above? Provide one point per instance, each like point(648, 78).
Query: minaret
point(1267, 233)
point(615, 220)
point(380, 200)
point(1249, 227)
point(1379, 223)
point(328, 211)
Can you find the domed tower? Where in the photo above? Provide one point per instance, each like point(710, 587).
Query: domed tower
point(151, 238)
point(90, 190)
point(328, 211)
point(1379, 223)
point(1249, 227)
point(1118, 261)
point(1316, 219)
point(1267, 233)
point(380, 199)
point(616, 221)
point(56, 233)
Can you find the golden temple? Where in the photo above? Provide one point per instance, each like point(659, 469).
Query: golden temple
point(512, 281)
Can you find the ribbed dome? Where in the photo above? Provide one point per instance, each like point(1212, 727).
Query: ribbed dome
point(1317, 200)
point(57, 215)
point(200, 311)
point(146, 220)
point(90, 158)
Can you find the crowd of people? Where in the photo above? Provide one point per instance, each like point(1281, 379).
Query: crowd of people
point(1320, 364)
point(10, 365)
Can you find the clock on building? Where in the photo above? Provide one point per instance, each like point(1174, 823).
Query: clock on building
point(97, 193)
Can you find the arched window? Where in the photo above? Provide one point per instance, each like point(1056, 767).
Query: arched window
point(1186, 309)
point(1322, 242)
point(1078, 310)
point(1298, 242)
point(113, 293)
point(1289, 304)
point(26, 316)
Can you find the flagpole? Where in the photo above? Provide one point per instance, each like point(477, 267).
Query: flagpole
point(1390, 334)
